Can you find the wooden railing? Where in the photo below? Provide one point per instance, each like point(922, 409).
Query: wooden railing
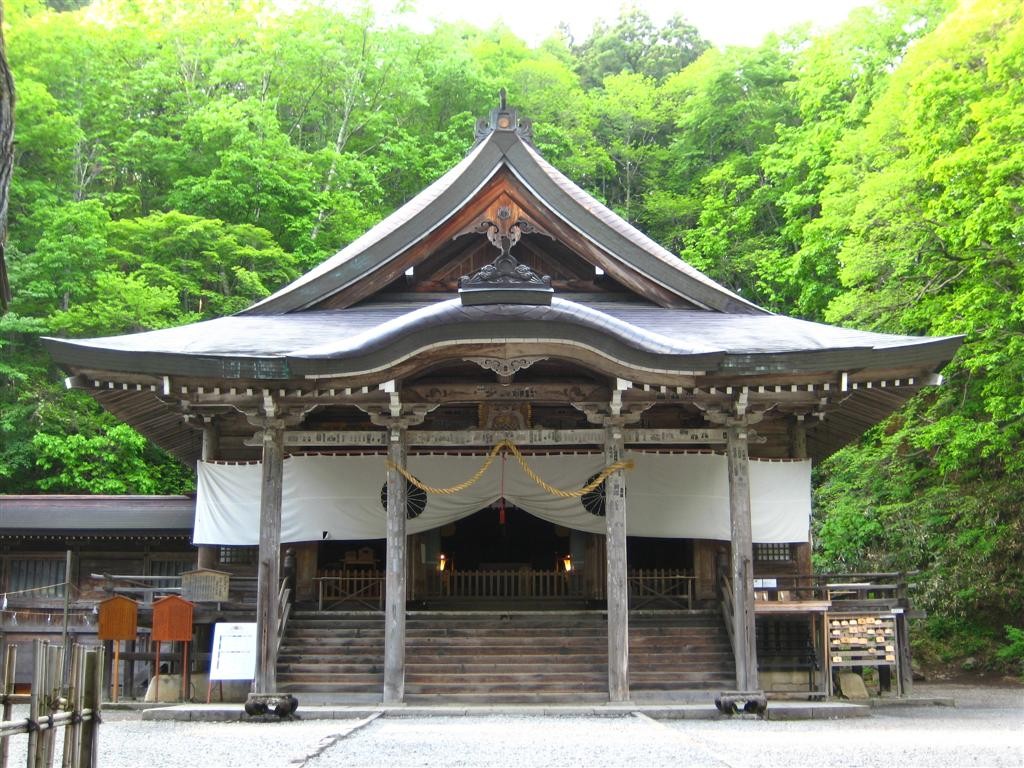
point(355, 588)
point(660, 588)
point(663, 588)
point(513, 583)
point(284, 610)
point(725, 584)
point(52, 705)
point(863, 589)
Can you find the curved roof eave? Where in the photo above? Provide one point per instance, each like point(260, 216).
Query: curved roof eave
point(450, 323)
point(280, 347)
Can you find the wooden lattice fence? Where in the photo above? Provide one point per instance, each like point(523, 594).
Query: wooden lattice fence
point(73, 705)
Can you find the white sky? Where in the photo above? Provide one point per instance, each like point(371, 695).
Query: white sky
point(723, 22)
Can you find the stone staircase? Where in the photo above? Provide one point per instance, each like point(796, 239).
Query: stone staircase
point(332, 656)
point(507, 658)
point(490, 657)
point(679, 656)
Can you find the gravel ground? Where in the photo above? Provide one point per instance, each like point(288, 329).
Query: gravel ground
point(985, 729)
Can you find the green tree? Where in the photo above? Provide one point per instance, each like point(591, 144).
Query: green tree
point(924, 210)
point(635, 45)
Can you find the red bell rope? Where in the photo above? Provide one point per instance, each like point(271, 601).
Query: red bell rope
point(501, 501)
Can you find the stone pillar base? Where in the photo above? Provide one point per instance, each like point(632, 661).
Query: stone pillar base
point(280, 704)
point(735, 702)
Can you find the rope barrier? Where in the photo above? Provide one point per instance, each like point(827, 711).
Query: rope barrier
point(39, 589)
point(511, 447)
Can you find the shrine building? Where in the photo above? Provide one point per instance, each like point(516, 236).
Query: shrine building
point(504, 409)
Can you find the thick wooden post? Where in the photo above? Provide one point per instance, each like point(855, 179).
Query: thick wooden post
point(744, 645)
point(798, 437)
point(269, 568)
point(207, 556)
point(618, 587)
point(395, 584)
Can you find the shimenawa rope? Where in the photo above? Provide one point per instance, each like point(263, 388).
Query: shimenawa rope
point(514, 450)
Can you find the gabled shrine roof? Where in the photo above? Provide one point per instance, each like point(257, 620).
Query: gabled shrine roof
point(501, 150)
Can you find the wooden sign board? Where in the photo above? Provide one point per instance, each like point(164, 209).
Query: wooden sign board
point(233, 656)
point(172, 619)
point(205, 585)
point(119, 618)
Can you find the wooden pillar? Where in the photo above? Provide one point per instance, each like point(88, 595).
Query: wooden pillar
point(618, 587)
point(798, 437)
point(395, 584)
point(798, 450)
point(744, 645)
point(208, 556)
point(269, 568)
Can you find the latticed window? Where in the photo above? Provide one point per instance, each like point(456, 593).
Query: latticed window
point(172, 568)
point(773, 553)
point(38, 577)
point(238, 555)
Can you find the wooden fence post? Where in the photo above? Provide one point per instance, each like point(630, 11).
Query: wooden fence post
point(92, 688)
point(53, 671)
point(71, 730)
point(10, 660)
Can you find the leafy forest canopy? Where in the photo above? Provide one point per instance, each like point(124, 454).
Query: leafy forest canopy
point(176, 162)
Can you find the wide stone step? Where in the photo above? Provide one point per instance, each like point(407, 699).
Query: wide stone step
point(314, 643)
point(470, 667)
point(550, 677)
point(367, 693)
point(476, 698)
point(710, 682)
point(459, 688)
point(470, 660)
point(507, 641)
point(339, 680)
point(503, 631)
point(306, 668)
point(701, 659)
point(340, 631)
point(363, 662)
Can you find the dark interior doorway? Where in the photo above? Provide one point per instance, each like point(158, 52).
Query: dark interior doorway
point(368, 554)
point(482, 542)
point(645, 552)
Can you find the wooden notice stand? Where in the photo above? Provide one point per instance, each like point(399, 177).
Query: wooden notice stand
point(172, 621)
point(119, 620)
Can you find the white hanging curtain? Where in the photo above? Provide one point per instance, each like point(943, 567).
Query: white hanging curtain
point(667, 496)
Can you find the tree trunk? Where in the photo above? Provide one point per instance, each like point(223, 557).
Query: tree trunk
point(6, 157)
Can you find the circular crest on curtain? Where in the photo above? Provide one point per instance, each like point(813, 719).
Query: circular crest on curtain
point(593, 501)
point(415, 499)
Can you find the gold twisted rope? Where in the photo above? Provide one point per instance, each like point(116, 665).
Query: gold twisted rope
point(514, 450)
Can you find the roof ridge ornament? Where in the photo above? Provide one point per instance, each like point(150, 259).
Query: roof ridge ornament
point(504, 118)
point(505, 280)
